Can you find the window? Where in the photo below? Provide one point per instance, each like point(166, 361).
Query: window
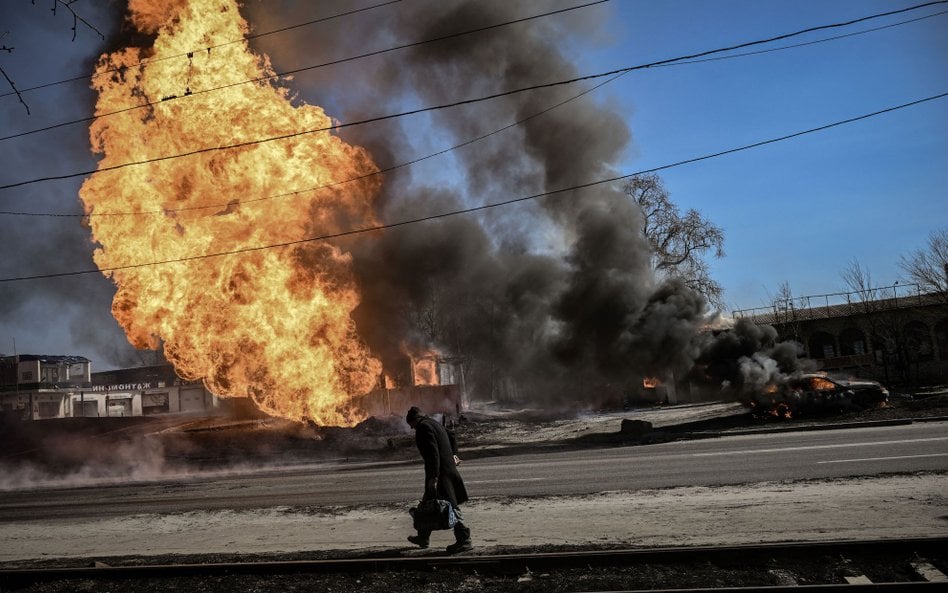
point(852, 341)
point(941, 338)
point(822, 345)
point(918, 341)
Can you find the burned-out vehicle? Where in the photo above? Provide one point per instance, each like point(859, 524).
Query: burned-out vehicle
point(816, 393)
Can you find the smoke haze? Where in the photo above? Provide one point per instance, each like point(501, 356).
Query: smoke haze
point(73, 313)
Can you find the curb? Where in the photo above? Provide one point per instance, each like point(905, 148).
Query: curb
point(817, 427)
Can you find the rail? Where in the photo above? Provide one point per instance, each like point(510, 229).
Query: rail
point(841, 304)
point(762, 555)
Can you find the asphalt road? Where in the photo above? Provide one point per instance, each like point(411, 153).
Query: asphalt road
point(721, 461)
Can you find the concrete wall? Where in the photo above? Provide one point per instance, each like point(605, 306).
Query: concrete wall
point(430, 399)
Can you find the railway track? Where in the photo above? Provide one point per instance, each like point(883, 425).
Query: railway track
point(903, 564)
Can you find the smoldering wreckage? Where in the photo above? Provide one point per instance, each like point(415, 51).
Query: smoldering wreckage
point(559, 306)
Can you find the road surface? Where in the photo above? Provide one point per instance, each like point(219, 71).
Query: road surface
point(742, 459)
point(764, 487)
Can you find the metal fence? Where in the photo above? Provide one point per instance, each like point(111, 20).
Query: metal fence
point(840, 304)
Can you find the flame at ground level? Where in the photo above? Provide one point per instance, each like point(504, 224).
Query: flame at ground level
point(425, 367)
point(651, 382)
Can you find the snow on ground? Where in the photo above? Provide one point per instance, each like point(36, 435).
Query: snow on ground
point(514, 426)
point(889, 507)
point(857, 508)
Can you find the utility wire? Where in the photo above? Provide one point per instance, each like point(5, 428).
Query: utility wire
point(483, 207)
point(458, 103)
point(806, 43)
point(207, 49)
point(343, 60)
point(290, 28)
point(231, 203)
point(305, 69)
point(166, 211)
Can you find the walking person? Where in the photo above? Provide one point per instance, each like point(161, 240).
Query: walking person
point(442, 479)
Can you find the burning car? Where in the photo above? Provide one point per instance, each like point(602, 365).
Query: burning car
point(818, 392)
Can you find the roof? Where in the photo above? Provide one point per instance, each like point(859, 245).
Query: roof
point(51, 358)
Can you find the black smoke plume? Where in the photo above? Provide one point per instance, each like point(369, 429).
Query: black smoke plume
point(555, 298)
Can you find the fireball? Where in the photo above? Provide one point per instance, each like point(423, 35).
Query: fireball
point(272, 324)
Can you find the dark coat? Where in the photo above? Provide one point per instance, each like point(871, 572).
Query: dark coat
point(438, 449)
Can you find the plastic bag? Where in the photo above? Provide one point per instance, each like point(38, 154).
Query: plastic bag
point(433, 515)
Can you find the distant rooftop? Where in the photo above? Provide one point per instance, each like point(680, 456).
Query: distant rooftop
point(841, 304)
point(66, 359)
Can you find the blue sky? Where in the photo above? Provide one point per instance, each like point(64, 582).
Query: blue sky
point(797, 212)
point(801, 210)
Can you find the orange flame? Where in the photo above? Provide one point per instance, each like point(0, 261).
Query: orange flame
point(425, 370)
point(272, 324)
point(651, 382)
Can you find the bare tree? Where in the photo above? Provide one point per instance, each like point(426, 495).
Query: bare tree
point(884, 321)
point(783, 304)
point(76, 19)
point(785, 318)
point(679, 242)
point(928, 267)
point(859, 280)
point(9, 49)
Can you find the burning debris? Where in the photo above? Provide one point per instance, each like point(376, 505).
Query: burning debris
point(815, 393)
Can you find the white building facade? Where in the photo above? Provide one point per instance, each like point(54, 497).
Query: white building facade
point(64, 387)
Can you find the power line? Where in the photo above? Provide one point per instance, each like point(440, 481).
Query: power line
point(807, 43)
point(304, 69)
point(417, 43)
point(166, 211)
point(474, 209)
point(207, 49)
point(462, 102)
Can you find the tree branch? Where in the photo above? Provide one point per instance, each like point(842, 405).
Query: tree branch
point(928, 267)
point(677, 242)
point(76, 18)
point(15, 90)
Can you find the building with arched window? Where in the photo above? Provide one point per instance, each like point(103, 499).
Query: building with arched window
point(894, 334)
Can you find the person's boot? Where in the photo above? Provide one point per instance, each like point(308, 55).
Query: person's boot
point(418, 540)
point(463, 544)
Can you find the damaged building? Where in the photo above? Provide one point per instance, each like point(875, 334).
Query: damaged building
point(38, 387)
point(47, 386)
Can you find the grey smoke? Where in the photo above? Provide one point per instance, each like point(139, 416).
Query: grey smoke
point(556, 296)
point(68, 315)
point(746, 358)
